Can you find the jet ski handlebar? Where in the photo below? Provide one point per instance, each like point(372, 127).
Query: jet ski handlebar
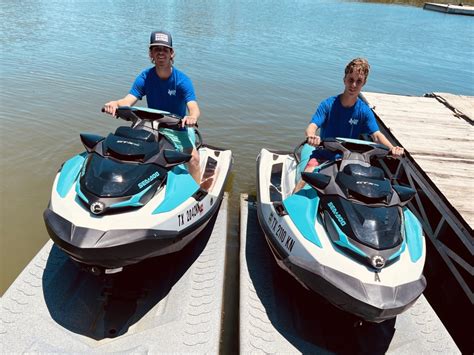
point(367, 148)
point(346, 146)
point(136, 114)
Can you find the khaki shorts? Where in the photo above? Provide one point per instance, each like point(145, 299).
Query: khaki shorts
point(182, 140)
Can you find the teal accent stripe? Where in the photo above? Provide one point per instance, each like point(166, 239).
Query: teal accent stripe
point(302, 208)
point(68, 174)
point(414, 235)
point(401, 250)
point(180, 186)
point(305, 154)
point(80, 194)
point(134, 201)
point(344, 241)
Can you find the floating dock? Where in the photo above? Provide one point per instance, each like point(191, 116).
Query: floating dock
point(278, 316)
point(449, 8)
point(170, 304)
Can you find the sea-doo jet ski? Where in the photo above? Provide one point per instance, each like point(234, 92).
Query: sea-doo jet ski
point(129, 196)
point(348, 234)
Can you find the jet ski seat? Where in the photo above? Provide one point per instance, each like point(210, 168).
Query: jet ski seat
point(141, 134)
point(364, 183)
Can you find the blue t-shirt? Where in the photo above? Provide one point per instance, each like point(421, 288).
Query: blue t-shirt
point(336, 120)
point(170, 95)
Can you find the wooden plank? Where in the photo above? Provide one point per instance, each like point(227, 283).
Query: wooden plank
point(440, 142)
point(461, 103)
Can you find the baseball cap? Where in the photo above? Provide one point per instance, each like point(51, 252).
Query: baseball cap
point(161, 38)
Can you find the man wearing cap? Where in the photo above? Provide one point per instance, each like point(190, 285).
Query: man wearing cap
point(169, 89)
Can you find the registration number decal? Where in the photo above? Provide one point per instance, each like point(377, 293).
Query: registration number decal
point(190, 214)
point(281, 233)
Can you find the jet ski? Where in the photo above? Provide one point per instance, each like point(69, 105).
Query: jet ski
point(348, 235)
point(129, 196)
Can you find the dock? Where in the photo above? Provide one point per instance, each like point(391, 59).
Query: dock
point(279, 316)
point(450, 8)
point(437, 132)
point(169, 304)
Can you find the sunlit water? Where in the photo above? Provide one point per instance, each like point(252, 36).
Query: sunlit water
point(259, 69)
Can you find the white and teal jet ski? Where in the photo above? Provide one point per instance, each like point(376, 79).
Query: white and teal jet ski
point(348, 235)
point(129, 196)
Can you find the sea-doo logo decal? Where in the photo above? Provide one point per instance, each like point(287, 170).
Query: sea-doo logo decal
point(353, 121)
point(366, 183)
point(336, 214)
point(148, 180)
point(377, 261)
point(171, 92)
point(128, 142)
point(190, 214)
point(97, 207)
point(280, 232)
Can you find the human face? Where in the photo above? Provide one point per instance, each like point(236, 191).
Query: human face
point(353, 83)
point(161, 55)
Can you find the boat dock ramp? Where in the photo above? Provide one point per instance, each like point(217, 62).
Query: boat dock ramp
point(176, 303)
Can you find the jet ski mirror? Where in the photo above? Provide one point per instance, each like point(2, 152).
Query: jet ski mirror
point(126, 113)
point(90, 140)
point(316, 180)
point(333, 145)
point(173, 157)
point(405, 193)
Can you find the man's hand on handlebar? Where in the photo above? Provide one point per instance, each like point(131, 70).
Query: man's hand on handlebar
point(397, 151)
point(110, 107)
point(189, 121)
point(313, 140)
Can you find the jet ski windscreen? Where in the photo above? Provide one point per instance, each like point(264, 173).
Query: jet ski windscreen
point(105, 177)
point(377, 227)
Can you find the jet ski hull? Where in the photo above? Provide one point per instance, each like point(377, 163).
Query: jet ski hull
point(169, 221)
point(138, 244)
point(307, 253)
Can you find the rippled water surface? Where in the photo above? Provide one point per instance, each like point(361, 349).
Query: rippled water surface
point(259, 69)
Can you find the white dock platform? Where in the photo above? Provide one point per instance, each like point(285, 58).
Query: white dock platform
point(170, 304)
point(277, 315)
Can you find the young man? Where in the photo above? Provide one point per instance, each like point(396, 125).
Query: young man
point(168, 89)
point(344, 116)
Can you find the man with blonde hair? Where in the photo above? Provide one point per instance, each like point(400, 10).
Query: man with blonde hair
point(345, 116)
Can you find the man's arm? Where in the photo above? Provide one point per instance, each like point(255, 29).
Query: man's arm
point(379, 137)
point(111, 106)
point(193, 114)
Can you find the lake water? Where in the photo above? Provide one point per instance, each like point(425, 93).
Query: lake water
point(259, 70)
